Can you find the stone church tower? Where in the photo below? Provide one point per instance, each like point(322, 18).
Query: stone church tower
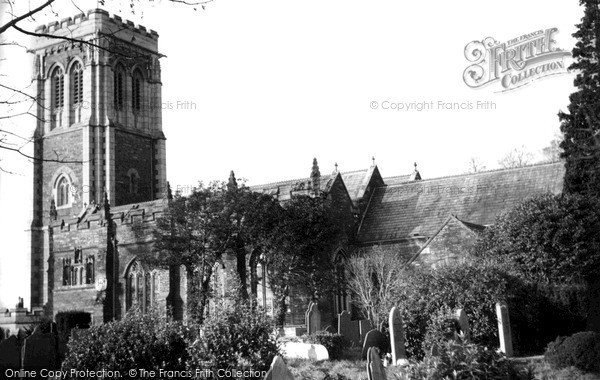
point(99, 129)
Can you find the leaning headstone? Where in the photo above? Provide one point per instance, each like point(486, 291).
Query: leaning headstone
point(463, 322)
point(40, 351)
point(374, 338)
point(375, 370)
point(504, 329)
point(10, 354)
point(330, 329)
point(364, 326)
point(295, 350)
point(397, 337)
point(313, 319)
point(278, 370)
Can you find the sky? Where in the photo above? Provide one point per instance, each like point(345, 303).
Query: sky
point(261, 87)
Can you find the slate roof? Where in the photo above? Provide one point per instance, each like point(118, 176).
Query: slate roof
point(419, 208)
point(355, 181)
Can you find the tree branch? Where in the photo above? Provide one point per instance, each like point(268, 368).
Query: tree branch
point(13, 22)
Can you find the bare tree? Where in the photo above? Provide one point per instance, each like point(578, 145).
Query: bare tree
point(375, 279)
point(552, 152)
point(475, 165)
point(516, 158)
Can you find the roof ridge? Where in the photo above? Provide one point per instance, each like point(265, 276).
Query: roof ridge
point(278, 183)
point(477, 173)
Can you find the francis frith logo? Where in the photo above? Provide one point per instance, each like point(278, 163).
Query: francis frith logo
point(514, 63)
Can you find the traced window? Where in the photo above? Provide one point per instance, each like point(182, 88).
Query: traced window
point(136, 91)
point(118, 87)
point(62, 192)
point(141, 287)
point(76, 84)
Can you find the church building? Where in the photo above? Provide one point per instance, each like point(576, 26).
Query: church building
point(100, 184)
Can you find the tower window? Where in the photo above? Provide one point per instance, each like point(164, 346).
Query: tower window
point(58, 84)
point(136, 91)
point(62, 192)
point(76, 84)
point(118, 88)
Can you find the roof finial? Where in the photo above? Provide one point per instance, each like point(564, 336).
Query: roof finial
point(373, 159)
point(315, 177)
point(415, 176)
point(232, 183)
point(336, 168)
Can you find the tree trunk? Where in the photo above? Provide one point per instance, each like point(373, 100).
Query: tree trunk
point(242, 271)
point(593, 318)
point(254, 275)
point(194, 304)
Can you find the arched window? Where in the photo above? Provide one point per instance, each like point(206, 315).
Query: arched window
point(76, 84)
point(136, 91)
point(62, 192)
point(89, 270)
point(57, 97)
point(140, 287)
point(58, 88)
point(118, 88)
point(134, 179)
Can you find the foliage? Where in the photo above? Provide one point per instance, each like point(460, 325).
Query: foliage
point(580, 350)
point(235, 336)
point(442, 327)
point(375, 278)
point(190, 234)
point(548, 238)
point(473, 286)
point(300, 252)
point(462, 360)
point(334, 343)
point(137, 341)
point(580, 125)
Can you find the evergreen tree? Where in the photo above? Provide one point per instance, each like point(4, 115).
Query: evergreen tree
point(581, 126)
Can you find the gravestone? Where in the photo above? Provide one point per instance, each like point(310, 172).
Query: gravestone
point(313, 319)
point(306, 321)
point(10, 354)
point(463, 322)
point(374, 338)
point(278, 370)
point(296, 350)
point(40, 351)
point(397, 337)
point(364, 326)
point(347, 328)
point(504, 329)
point(375, 370)
point(330, 329)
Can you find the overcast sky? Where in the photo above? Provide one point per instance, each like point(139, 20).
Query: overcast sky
point(271, 84)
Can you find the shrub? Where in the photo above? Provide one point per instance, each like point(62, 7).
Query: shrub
point(334, 343)
point(472, 286)
point(462, 360)
point(234, 337)
point(146, 341)
point(580, 350)
point(442, 327)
